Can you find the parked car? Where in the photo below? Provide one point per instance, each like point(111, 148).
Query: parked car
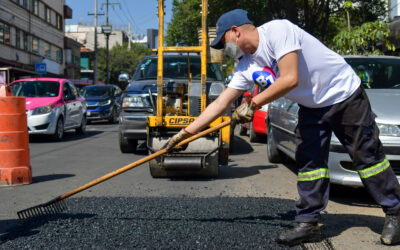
point(380, 76)
point(103, 102)
point(257, 128)
point(140, 96)
point(53, 106)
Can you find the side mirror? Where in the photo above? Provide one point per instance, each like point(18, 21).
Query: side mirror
point(69, 97)
point(124, 77)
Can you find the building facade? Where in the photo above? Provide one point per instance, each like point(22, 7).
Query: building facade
point(31, 32)
point(85, 35)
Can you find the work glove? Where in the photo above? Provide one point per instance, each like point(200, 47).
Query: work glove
point(177, 138)
point(243, 113)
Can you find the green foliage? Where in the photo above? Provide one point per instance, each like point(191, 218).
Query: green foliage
point(348, 5)
point(369, 38)
point(122, 60)
point(186, 17)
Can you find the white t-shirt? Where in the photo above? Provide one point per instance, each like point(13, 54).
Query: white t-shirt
point(324, 76)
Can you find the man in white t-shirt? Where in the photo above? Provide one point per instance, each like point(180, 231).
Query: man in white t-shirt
point(287, 61)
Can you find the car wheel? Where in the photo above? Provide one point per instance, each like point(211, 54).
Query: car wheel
point(59, 132)
point(243, 130)
point(114, 116)
point(82, 128)
point(274, 155)
point(127, 145)
point(252, 134)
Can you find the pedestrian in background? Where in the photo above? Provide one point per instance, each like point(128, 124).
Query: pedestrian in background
point(330, 98)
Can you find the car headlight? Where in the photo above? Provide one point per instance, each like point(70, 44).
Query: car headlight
point(42, 110)
point(105, 103)
point(134, 102)
point(389, 130)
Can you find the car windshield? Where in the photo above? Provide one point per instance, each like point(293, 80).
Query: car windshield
point(377, 73)
point(177, 67)
point(96, 92)
point(36, 88)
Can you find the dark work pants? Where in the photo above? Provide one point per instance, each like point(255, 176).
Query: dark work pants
point(354, 125)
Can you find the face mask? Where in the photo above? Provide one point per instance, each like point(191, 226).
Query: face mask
point(232, 49)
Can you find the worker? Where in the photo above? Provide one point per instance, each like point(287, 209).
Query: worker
point(330, 98)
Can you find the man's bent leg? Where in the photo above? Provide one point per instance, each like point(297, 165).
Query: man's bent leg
point(313, 138)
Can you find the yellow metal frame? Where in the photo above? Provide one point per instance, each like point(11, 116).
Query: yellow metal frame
point(182, 121)
point(161, 49)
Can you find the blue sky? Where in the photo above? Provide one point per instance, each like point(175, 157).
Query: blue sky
point(142, 14)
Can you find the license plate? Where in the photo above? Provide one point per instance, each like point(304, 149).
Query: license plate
point(88, 113)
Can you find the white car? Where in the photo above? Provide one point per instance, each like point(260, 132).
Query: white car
point(53, 105)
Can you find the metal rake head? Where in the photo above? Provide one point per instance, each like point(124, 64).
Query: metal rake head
point(46, 209)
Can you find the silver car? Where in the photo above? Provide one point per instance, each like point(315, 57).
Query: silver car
point(380, 76)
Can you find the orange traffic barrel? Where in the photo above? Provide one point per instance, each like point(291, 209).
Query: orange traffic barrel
point(15, 168)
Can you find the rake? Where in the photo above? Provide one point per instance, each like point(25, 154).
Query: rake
point(57, 204)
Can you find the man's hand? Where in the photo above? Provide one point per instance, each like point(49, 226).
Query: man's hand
point(177, 138)
point(244, 113)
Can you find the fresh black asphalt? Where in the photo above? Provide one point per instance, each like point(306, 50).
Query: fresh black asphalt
point(157, 223)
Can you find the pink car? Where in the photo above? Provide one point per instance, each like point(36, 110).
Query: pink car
point(53, 105)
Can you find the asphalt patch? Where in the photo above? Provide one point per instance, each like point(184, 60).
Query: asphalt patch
point(158, 223)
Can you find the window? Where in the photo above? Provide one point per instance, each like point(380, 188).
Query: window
point(6, 33)
point(25, 3)
point(58, 22)
point(35, 45)
point(25, 40)
point(47, 50)
point(47, 14)
point(58, 55)
point(35, 7)
point(1, 32)
point(17, 1)
point(17, 38)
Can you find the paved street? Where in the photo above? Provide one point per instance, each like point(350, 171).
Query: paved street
point(251, 202)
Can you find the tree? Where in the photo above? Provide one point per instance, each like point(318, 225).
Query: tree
point(122, 60)
point(186, 17)
point(369, 38)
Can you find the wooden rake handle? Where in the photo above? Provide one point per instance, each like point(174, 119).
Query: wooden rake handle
point(138, 162)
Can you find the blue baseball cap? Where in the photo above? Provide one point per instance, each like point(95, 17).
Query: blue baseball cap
point(235, 17)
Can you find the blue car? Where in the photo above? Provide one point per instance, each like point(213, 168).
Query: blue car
point(103, 102)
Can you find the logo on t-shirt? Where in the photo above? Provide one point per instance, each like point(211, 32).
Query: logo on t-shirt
point(264, 78)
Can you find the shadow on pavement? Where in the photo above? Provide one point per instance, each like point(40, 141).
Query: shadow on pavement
point(351, 196)
point(68, 136)
point(335, 224)
point(50, 177)
point(232, 171)
point(240, 146)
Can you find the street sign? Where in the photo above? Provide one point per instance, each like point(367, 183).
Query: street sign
point(40, 68)
point(106, 29)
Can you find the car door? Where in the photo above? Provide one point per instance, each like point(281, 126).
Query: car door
point(76, 107)
point(68, 105)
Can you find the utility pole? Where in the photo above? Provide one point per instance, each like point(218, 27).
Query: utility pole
point(95, 43)
point(129, 36)
point(95, 14)
point(107, 48)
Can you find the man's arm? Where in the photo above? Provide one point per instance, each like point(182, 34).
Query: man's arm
point(215, 109)
point(288, 80)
